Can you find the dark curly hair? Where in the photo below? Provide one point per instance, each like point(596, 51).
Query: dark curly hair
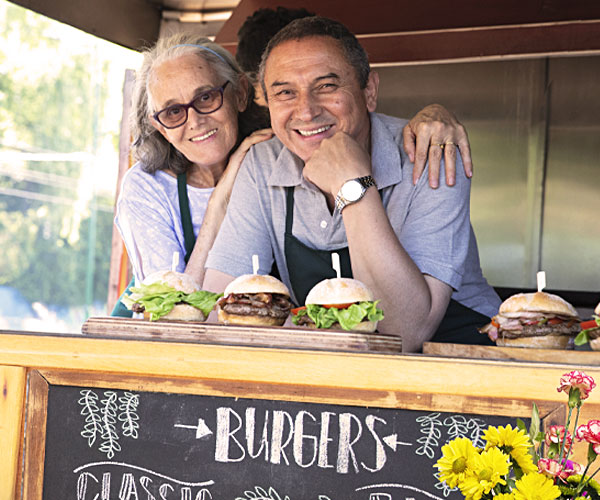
point(257, 31)
point(149, 146)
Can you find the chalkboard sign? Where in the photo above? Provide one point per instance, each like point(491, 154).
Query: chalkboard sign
point(107, 444)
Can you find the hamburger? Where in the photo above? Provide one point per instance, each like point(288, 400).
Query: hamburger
point(590, 331)
point(170, 296)
point(539, 319)
point(254, 299)
point(339, 303)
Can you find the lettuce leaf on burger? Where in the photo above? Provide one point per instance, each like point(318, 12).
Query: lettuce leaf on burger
point(171, 296)
point(590, 331)
point(339, 303)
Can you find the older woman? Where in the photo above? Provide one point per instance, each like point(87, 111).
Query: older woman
point(194, 118)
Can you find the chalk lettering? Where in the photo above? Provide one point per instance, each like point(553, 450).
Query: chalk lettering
point(380, 456)
point(324, 439)
point(346, 441)
point(250, 429)
point(300, 437)
point(225, 435)
point(277, 442)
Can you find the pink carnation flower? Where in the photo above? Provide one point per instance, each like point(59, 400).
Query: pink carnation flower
point(590, 433)
point(553, 469)
point(578, 380)
point(556, 434)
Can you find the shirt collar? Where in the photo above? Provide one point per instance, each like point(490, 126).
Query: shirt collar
point(386, 160)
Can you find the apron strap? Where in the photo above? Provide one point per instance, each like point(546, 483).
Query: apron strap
point(186, 217)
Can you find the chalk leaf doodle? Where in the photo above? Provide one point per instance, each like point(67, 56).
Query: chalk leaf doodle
point(262, 494)
point(103, 415)
point(93, 422)
point(430, 426)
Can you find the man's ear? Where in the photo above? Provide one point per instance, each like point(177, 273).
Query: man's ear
point(242, 94)
point(371, 90)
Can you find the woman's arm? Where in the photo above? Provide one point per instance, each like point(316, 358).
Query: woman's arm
point(217, 205)
point(432, 131)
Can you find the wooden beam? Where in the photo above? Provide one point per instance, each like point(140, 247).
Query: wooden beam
point(131, 23)
point(437, 30)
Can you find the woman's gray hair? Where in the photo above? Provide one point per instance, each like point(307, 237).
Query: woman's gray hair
point(321, 26)
point(149, 146)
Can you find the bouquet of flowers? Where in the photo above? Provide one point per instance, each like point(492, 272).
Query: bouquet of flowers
point(520, 465)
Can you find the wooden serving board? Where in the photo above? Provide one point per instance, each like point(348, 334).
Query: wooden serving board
point(590, 358)
point(268, 336)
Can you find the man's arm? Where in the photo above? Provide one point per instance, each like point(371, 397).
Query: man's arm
point(434, 131)
point(414, 303)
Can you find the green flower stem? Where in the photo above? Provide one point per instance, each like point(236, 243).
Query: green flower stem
point(562, 443)
point(583, 484)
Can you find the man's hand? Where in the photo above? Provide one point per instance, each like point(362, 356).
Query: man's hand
point(338, 159)
point(432, 131)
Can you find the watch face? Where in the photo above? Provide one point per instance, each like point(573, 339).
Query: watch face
point(352, 190)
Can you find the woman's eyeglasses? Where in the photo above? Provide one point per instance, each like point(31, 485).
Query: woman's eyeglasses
point(176, 115)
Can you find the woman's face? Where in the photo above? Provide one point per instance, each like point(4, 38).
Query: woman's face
point(205, 140)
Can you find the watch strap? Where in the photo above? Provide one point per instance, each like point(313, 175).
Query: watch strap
point(366, 182)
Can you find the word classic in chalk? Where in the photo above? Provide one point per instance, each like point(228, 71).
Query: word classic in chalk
point(105, 445)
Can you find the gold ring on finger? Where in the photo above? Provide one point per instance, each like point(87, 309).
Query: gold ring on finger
point(440, 144)
point(450, 142)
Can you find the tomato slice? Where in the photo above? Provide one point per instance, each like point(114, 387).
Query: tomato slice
point(338, 306)
point(555, 321)
point(296, 310)
point(586, 325)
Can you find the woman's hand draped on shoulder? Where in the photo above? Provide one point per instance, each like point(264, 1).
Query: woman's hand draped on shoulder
point(434, 131)
point(217, 204)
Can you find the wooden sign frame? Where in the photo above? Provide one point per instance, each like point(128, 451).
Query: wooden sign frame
point(412, 382)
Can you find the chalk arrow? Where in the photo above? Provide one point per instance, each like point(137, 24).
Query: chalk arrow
point(392, 441)
point(201, 429)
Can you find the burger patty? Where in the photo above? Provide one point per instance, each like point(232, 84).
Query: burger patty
point(565, 328)
point(274, 305)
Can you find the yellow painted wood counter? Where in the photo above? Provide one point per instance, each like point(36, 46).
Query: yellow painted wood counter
point(419, 382)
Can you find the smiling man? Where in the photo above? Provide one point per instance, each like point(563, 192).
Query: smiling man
point(336, 179)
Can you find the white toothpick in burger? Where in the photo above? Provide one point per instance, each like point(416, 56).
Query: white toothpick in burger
point(254, 299)
point(339, 303)
point(590, 331)
point(170, 296)
point(539, 319)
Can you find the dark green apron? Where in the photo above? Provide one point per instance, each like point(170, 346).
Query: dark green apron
point(188, 237)
point(306, 267)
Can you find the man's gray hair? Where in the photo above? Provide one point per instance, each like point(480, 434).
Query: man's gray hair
point(321, 26)
point(150, 147)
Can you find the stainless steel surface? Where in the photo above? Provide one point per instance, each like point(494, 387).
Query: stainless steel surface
point(535, 197)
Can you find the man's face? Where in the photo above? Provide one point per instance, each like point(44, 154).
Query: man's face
point(313, 93)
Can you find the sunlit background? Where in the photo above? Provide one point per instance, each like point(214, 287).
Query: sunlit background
point(61, 99)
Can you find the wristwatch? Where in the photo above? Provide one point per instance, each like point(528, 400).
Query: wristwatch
point(352, 191)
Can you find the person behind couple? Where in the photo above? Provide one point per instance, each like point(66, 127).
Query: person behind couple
point(413, 246)
point(192, 107)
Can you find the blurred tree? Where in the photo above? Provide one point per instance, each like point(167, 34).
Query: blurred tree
point(44, 227)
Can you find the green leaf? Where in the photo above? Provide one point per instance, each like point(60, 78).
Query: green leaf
point(534, 428)
point(203, 300)
point(347, 318)
point(582, 337)
point(591, 454)
point(521, 425)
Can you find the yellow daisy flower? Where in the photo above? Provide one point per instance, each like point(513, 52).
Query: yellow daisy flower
point(505, 496)
point(514, 442)
point(490, 468)
point(456, 458)
point(535, 486)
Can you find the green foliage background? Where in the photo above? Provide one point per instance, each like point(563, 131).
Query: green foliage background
point(45, 242)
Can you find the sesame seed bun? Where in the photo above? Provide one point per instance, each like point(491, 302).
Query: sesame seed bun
point(536, 302)
point(339, 291)
point(179, 281)
point(256, 283)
